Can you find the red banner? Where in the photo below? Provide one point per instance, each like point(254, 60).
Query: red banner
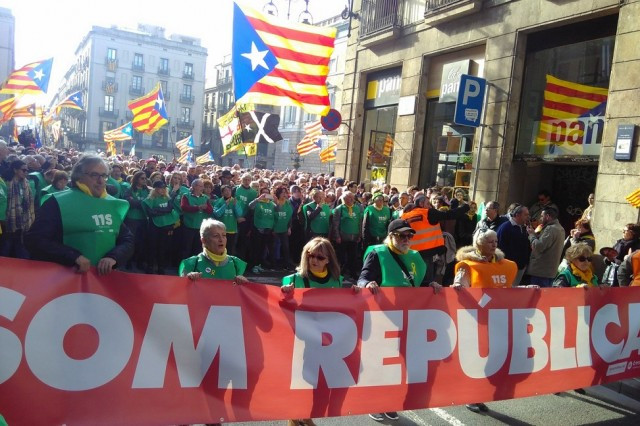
point(142, 349)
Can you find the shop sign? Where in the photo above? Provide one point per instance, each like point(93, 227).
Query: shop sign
point(450, 84)
point(378, 175)
point(383, 88)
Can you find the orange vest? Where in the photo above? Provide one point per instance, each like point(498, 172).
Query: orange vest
point(427, 236)
point(635, 267)
point(490, 274)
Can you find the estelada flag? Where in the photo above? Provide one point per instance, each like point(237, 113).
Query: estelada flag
point(280, 62)
point(149, 112)
point(31, 79)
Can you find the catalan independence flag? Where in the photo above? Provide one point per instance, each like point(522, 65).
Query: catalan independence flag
point(280, 63)
point(73, 101)
point(6, 108)
point(311, 140)
point(205, 158)
point(634, 198)
point(28, 111)
point(565, 103)
point(30, 79)
point(122, 133)
point(185, 144)
point(149, 112)
point(329, 153)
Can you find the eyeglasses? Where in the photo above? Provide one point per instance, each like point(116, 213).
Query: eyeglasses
point(584, 259)
point(319, 257)
point(95, 176)
point(404, 236)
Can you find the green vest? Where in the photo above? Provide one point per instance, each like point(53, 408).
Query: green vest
point(48, 190)
point(165, 219)
point(117, 185)
point(139, 194)
point(228, 216)
point(299, 282)
point(263, 215)
point(90, 225)
point(194, 220)
point(320, 224)
point(208, 269)
point(244, 197)
point(3, 200)
point(37, 182)
point(349, 223)
point(377, 220)
point(183, 190)
point(392, 274)
point(283, 216)
point(396, 214)
point(574, 281)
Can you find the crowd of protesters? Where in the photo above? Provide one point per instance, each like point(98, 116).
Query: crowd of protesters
point(270, 215)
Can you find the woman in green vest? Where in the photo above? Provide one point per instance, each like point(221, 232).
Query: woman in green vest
point(59, 183)
point(195, 208)
point(319, 267)
point(163, 216)
point(262, 230)
point(316, 215)
point(115, 180)
point(345, 231)
point(280, 253)
point(227, 210)
point(213, 262)
point(83, 227)
point(136, 219)
point(375, 221)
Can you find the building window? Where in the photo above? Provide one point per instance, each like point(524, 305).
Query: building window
point(285, 145)
point(188, 70)
point(332, 99)
point(112, 54)
point(164, 65)
point(186, 90)
point(138, 60)
point(108, 103)
point(308, 118)
point(163, 84)
point(186, 114)
point(290, 113)
point(136, 83)
point(564, 96)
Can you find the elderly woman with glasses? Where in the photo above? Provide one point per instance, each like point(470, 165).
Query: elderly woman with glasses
point(83, 227)
point(579, 273)
point(213, 261)
point(319, 268)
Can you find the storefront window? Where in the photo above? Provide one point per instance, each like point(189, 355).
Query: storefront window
point(446, 154)
point(564, 97)
point(380, 125)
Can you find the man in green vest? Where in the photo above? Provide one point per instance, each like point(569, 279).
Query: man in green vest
point(195, 208)
point(82, 227)
point(316, 216)
point(345, 232)
point(393, 264)
point(243, 194)
point(115, 180)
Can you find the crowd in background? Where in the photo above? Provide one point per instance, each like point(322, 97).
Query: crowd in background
point(270, 215)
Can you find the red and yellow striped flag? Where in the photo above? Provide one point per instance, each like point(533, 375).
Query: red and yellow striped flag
point(31, 79)
point(6, 108)
point(388, 146)
point(329, 153)
point(280, 62)
point(149, 112)
point(28, 111)
point(634, 198)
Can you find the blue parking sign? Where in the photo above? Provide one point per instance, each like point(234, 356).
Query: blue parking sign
point(470, 101)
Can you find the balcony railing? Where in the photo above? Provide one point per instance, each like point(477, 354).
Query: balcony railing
point(185, 124)
point(380, 15)
point(108, 113)
point(187, 75)
point(187, 99)
point(111, 64)
point(110, 86)
point(136, 91)
point(224, 80)
point(433, 5)
point(163, 71)
point(137, 67)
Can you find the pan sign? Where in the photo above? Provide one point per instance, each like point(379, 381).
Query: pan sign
point(470, 101)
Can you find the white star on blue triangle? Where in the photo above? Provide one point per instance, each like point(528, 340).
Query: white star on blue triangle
point(249, 64)
point(41, 73)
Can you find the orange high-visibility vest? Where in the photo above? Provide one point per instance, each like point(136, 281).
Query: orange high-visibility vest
point(427, 236)
point(490, 274)
point(635, 267)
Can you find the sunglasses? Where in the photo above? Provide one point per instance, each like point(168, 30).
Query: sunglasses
point(404, 236)
point(320, 257)
point(584, 259)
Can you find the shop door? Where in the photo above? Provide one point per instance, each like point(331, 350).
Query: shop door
point(571, 188)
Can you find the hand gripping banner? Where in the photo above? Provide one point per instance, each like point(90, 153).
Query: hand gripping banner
point(141, 349)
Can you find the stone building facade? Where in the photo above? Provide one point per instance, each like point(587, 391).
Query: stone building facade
point(404, 59)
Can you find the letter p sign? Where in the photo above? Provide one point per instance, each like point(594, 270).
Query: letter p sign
point(470, 101)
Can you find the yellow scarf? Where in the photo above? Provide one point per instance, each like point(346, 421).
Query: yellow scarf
point(322, 274)
point(585, 276)
point(84, 188)
point(376, 207)
point(395, 249)
point(217, 259)
point(349, 209)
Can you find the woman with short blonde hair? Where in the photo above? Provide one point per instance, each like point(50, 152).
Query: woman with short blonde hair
point(579, 272)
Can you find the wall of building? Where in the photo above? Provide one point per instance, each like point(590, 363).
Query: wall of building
point(7, 41)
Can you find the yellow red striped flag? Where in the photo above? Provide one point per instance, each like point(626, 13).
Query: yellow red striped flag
point(388, 146)
point(149, 112)
point(634, 198)
point(31, 79)
point(329, 153)
point(280, 62)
